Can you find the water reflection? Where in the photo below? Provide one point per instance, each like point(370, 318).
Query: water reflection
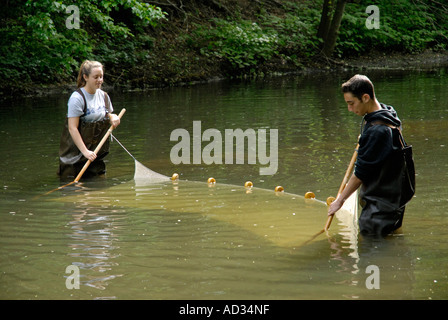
point(392, 256)
point(94, 242)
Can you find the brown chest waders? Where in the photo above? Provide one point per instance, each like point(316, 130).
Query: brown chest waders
point(71, 160)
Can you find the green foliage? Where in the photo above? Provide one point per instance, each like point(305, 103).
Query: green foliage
point(296, 32)
point(409, 27)
point(37, 46)
point(243, 43)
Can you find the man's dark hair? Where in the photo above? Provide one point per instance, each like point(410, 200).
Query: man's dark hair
point(359, 85)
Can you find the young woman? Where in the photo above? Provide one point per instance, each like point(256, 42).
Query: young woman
point(89, 116)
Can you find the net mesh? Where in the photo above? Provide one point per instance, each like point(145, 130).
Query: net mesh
point(145, 174)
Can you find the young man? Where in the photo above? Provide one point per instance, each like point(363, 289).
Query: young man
point(378, 168)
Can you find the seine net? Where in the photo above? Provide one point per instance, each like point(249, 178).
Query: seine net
point(142, 173)
point(146, 174)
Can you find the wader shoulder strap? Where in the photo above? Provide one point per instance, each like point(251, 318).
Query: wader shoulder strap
point(85, 102)
point(378, 122)
point(107, 101)
point(403, 142)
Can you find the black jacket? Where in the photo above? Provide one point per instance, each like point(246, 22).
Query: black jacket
point(379, 161)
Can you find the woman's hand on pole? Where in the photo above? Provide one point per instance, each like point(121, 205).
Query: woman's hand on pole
point(114, 120)
point(90, 155)
point(77, 139)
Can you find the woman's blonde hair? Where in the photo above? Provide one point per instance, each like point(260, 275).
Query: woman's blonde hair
point(86, 69)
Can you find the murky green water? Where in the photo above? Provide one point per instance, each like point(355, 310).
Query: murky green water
point(192, 241)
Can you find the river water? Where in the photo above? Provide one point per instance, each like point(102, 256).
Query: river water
point(191, 240)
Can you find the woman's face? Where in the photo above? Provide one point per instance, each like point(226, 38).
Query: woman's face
point(94, 80)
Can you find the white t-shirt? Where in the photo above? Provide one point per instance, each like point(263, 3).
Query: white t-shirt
point(96, 105)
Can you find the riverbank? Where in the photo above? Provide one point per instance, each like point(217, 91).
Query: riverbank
point(206, 72)
point(427, 60)
point(209, 41)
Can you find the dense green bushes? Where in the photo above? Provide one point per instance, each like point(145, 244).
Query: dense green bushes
point(405, 26)
point(40, 46)
point(37, 47)
point(243, 45)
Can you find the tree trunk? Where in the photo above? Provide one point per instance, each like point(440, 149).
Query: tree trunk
point(325, 19)
point(332, 36)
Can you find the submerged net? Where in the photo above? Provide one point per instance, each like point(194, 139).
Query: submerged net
point(144, 176)
point(284, 219)
point(351, 204)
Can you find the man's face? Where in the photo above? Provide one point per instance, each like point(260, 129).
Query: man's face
point(355, 105)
